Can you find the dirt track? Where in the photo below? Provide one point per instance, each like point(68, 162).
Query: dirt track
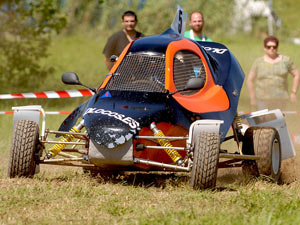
point(291, 167)
point(290, 171)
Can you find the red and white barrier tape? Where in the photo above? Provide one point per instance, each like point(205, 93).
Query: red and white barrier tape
point(50, 94)
point(285, 112)
point(291, 112)
point(295, 139)
point(49, 113)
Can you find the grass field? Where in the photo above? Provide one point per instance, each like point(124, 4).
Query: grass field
point(68, 196)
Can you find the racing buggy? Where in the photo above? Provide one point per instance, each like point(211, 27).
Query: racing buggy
point(167, 104)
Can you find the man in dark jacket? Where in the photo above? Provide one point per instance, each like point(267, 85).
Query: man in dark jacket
point(118, 41)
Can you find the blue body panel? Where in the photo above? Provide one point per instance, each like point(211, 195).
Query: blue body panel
point(227, 73)
point(156, 43)
point(142, 107)
point(114, 120)
point(125, 112)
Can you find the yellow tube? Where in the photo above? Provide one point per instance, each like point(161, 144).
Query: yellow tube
point(174, 155)
point(238, 122)
point(55, 149)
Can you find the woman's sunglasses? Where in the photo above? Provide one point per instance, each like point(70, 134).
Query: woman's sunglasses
point(271, 46)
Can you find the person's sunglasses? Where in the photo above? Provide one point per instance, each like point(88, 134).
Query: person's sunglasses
point(271, 46)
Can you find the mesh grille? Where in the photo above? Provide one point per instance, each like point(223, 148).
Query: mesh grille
point(139, 72)
point(187, 65)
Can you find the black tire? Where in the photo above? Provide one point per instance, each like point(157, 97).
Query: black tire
point(266, 145)
point(25, 140)
point(205, 162)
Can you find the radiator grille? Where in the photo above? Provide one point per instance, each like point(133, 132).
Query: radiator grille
point(140, 72)
point(187, 65)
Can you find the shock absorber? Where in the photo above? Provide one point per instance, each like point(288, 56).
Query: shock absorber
point(174, 155)
point(55, 149)
point(237, 126)
point(238, 122)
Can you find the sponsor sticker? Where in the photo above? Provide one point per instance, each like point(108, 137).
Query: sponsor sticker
point(125, 119)
point(216, 50)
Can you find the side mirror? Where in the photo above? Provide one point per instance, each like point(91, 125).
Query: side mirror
point(194, 83)
point(70, 78)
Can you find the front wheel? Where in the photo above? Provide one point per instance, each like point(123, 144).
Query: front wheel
point(205, 162)
point(25, 140)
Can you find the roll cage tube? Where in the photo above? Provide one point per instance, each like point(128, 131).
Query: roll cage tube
point(210, 98)
point(115, 66)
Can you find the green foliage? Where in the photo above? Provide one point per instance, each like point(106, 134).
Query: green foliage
point(217, 21)
point(82, 14)
point(25, 32)
point(156, 16)
point(288, 11)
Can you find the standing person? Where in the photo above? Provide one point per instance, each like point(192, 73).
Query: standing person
point(196, 31)
point(271, 75)
point(118, 41)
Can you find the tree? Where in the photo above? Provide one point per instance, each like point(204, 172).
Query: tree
point(25, 34)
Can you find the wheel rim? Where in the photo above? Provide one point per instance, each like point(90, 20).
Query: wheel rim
point(275, 156)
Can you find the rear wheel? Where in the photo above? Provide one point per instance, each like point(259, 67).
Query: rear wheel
point(205, 162)
point(24, 147)
point(266, 145)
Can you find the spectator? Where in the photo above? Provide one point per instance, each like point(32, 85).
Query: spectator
point(118, 41)
point(196, 31)
point(271, 75)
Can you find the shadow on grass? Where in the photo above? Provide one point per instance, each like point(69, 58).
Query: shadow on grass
point(147, 180)
point(229, 179)
point(152, 179)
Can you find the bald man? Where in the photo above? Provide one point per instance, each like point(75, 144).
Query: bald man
point(196, 31)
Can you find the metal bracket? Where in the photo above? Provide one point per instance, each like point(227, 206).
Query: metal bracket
point(203, 125)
